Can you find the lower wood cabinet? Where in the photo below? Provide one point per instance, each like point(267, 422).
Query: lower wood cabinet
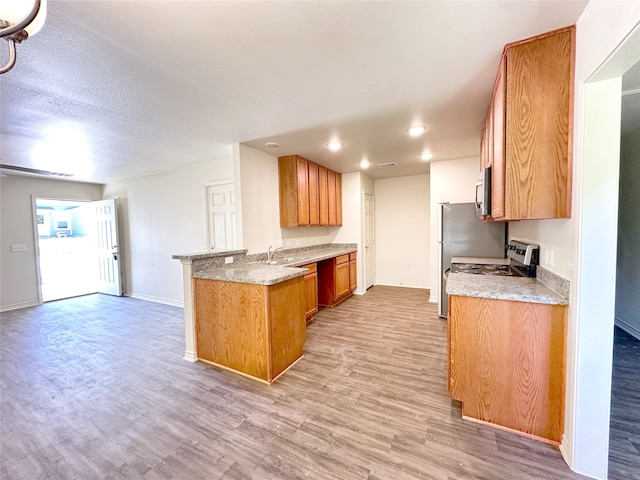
point(256, 330)
point(353, 271)
point(334, 283)
point(311, 291)
point(506, 364)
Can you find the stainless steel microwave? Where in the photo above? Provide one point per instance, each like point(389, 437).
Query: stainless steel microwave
point(483, 193)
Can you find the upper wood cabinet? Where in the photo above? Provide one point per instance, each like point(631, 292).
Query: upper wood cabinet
point(528, 132)
point(310, 194)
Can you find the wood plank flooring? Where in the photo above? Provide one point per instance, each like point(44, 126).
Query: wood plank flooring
point(95, 388)
point(624, 437)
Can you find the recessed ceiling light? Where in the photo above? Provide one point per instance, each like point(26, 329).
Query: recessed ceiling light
point(334, 146)
point(272, 144)
point(426, 156)
point(416, 130)
point(364, 163)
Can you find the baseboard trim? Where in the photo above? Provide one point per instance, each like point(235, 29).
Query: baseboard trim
point(631, 330)
point(18, 306)
point(405, 285)
point(565, 451)
point(190, 356)
point(150, 298)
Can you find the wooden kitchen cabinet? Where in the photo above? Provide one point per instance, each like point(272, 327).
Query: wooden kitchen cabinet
point(353, 272)
point(506, 364)
point(256, 330)
point(334, 280)
point(314, 195)
point(528, 133)
point(331, 196)
point(310, 194)
point(323, 195)
point(311, 291)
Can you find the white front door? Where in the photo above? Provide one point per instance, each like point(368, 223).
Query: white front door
point(108, 247)
point(221, 217)
point(369, 244)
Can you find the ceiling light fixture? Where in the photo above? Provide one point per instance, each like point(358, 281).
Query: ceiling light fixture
point(364, 163)
point(17, 22)
point(334, 146)
point(416, 130)
point(272, 144)
point(426, 156)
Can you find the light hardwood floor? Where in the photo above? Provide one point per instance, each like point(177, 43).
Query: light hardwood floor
point(95, 388)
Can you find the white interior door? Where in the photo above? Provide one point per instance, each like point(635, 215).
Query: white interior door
point(108, 247)
point(369, 242)
point(221, 217)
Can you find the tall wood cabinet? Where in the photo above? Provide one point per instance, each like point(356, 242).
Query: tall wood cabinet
point(527, 138)
point(310, 194)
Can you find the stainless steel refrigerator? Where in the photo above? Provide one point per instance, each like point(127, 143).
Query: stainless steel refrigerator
point(463, 234)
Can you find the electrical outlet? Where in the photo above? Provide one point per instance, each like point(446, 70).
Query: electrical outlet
point(18, 247)
point(228, 259)
point(550, 259)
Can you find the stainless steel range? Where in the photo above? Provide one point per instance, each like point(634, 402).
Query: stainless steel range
point(523, 260)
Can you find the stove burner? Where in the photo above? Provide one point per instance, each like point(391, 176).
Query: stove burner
point(482, 269)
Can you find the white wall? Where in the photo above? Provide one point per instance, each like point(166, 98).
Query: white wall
point(19, 281)
point(163, 215)
point(451, 181)
point(402, 231)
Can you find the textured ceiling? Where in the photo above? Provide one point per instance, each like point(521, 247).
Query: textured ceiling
point(117, 89)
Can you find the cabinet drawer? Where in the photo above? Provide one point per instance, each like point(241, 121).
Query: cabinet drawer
point(342, 259)
point(313, 268)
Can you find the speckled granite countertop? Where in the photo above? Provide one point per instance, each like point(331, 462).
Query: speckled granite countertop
point(256, 273)
point(520, 289)
point(254, 269)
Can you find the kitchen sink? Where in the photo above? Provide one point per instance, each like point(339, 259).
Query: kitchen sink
point(283, 260)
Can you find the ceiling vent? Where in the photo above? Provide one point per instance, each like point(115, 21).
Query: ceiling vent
point(34, 171)
point(388, 164)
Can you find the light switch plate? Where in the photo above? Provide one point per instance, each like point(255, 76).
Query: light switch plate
point(18, 247)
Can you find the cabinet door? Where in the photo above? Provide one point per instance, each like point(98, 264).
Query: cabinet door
point(314, 195)
point(302, 175)
point(353, 274)
point(538, 133)
point(497, 141)
point(288, 190)
point(342, 279)
point(331, 195)
point(311, 292)
point(323, 195)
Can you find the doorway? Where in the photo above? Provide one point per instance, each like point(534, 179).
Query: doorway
point(78, 250)
point(66, 245)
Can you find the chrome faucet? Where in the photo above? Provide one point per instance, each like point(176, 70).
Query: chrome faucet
point(270, 254)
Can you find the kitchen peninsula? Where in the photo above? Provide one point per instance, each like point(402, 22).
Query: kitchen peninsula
point(246, 313)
